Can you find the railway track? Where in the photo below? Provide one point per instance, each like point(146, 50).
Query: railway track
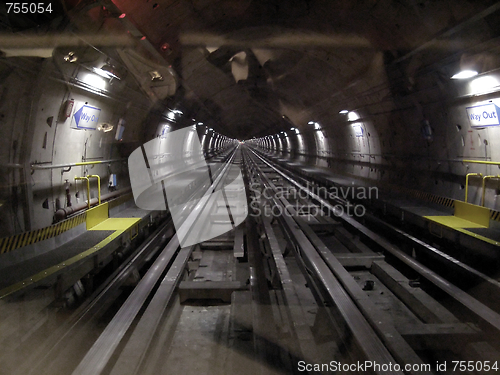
point(420, 317)
point(299, 287)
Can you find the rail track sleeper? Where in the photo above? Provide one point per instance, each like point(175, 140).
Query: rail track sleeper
point(366, 339)
point(418, 301)
point(135, 351)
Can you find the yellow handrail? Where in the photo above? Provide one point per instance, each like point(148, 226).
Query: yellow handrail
point(88, 188)
point(482, 162)
point(484, 186)
point(98, 185)
point(467, 183)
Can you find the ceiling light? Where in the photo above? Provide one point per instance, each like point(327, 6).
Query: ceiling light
point(464, 74)
point(352, 116)
point(155, 76)
point(344, 112)
point(107, 71)
point(94, 81)
point(483, 84)
point(311, 122)
point(70, 57)
point(105, 127)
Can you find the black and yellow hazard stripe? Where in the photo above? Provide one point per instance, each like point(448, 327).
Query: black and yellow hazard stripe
point(444, 201)
point(28, 238)
point(495, 215)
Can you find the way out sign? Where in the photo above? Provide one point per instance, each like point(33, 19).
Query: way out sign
point(85, 117)
point(483, 115)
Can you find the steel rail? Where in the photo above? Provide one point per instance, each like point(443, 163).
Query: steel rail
point(95, 302)
point(135, 351)
point(105, 346)
point(133, 355)
point(366, 339)
point(490, 285)
point(472, 304)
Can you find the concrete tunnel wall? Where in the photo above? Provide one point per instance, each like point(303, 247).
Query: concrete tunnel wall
point(419, 142)
point(406, 121)
point(383, 141)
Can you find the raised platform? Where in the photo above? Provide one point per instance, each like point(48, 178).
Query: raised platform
point(67, 263)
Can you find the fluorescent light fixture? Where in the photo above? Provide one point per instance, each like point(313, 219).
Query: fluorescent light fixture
point(483, 84)
point(464, 74)
point(107, 71)
point(352, 116)
point(344, 112)
point(94, 81)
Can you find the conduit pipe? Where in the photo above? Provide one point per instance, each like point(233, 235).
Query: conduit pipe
point(63, 213)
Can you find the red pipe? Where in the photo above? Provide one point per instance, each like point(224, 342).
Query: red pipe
point(63, 213)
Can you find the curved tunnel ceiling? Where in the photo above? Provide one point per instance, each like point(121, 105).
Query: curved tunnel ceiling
point(259, 67)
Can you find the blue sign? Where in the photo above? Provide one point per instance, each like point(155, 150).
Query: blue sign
point(483, 115)
point(86, 117)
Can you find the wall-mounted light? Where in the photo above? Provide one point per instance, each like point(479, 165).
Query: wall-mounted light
point(94, 81)
point(464, 74)
point(105, 127)
point(155, 76)
point(352, 116)
point(484, 84)
point(107, 71)
point(70, 57)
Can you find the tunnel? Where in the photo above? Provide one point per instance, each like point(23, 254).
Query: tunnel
point(249, 186)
